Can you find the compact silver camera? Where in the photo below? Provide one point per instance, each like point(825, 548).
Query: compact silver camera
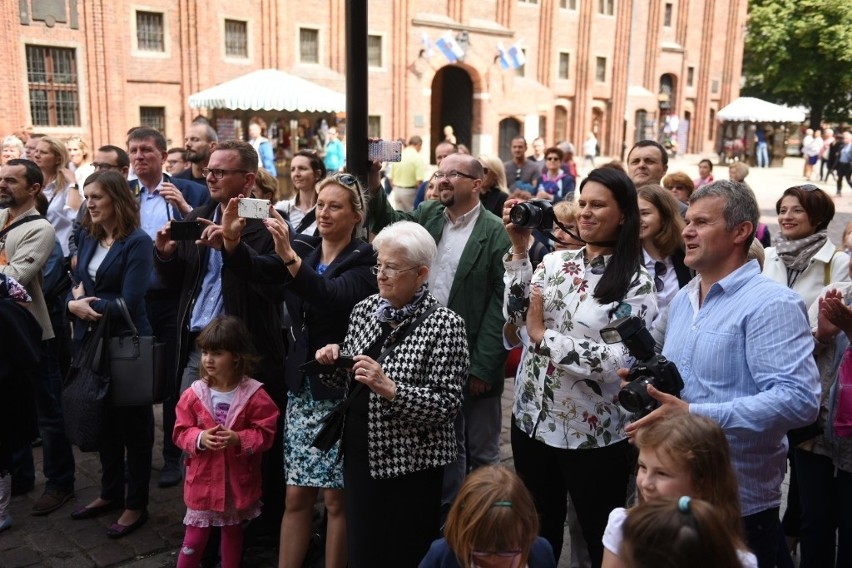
point(254, 208)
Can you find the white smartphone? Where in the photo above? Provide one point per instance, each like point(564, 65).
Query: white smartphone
point(254, 208)
point(384, 151)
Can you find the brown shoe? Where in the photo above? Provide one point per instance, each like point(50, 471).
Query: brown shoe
point(50, 500)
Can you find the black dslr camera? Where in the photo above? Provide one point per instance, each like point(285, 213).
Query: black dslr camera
point(649, 369)
point(533, 214)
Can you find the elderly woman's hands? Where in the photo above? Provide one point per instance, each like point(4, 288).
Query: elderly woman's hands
point(370, 373)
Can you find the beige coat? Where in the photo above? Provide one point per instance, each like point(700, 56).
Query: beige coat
point(28, 247)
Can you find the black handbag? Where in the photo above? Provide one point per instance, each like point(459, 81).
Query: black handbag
point(332, 423)
point(85, 394)
point(137, 366)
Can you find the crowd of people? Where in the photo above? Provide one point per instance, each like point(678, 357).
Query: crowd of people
point(351, 345)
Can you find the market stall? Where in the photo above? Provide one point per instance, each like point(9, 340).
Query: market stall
point(747, 122)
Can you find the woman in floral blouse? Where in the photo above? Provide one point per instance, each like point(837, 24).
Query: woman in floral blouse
point(568, 428)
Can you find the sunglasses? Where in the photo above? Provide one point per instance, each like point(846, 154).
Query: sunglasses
point(807, 187)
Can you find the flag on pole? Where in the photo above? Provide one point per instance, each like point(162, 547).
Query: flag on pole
point(504, 56)
point(449, 47)
point(516, 56)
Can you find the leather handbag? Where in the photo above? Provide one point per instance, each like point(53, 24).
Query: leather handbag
point(137, 366)
point(332, 423)
point(85, 394)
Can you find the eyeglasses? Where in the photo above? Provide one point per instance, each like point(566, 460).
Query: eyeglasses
point(552, 158)
point(104, 166)
point(351, 182)
point(452, 174)
point(219, 174)
point(807, 187)
point(676, 187)
point(389, 272)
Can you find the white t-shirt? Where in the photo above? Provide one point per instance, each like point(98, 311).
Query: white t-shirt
point(97, 259)
point(613, 535)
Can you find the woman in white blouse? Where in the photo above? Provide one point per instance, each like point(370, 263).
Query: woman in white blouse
point(568, 429)
point(60, 188)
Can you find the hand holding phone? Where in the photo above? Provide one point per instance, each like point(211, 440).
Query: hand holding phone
point(186, 230)
point(253, 208)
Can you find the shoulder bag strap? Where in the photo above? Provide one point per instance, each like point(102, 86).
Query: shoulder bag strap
point(411, 327)
point(18, 223)
point(122, 306)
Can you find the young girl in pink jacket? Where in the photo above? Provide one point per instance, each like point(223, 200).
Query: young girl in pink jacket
point(225, 421)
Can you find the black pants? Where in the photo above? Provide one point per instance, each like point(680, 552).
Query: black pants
point(129, 433)
point(162, 309)
point(844, 171)
point(596, 480)
point(764, 538)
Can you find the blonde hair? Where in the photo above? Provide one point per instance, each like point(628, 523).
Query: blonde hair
point(493, 512)
point(266, 184)
point(57, 148)
point(495, 166)
point(87, 154)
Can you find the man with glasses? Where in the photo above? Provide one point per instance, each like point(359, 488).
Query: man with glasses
point(467, 277)
point(195, 273)
point(521, 173)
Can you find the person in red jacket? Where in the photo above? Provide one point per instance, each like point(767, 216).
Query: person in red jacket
point(225, 421)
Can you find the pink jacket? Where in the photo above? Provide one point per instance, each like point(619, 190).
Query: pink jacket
point(253, 416)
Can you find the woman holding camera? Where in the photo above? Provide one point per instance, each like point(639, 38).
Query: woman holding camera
point(411, 359)
point(568, 431)
point(324, 278)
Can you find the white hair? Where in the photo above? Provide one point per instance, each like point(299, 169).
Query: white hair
point(415, 242)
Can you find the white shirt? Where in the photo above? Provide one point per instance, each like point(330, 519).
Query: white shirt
point(60, 214)
point(669, 279)
point(453, 240)
point(97, 260)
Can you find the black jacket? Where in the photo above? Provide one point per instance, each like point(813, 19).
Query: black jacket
point(251, 302)
point(319, 306)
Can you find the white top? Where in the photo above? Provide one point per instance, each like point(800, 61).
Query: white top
point(812, 280)
point(590, 146)
point(669, 280)
point(296, 215)
point(613, 535)
point(97, 260)
point(60, 214)
point(454, 238)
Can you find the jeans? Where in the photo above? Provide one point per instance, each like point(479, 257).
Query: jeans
point(58, 456)
point(826, 499)
point(762, 155)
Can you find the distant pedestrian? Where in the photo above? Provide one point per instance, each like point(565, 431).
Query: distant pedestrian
point(225, 421)
point(590, 149)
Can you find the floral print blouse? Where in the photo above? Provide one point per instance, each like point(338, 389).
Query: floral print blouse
point(566, 389)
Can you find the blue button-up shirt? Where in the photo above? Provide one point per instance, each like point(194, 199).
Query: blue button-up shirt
point(209, 302)
point(153, 214)
point(746, 357)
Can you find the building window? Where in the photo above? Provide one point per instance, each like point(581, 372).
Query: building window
point(374, 51)
point(690, 76)
point(714, 87)
point(528, 1)
point(308, 45)
point(153, 117)
point(606, 7)
point(521, 70)
point(667, 15)
point(236, 39)
point(149, 31)
point(568, 4)
point(564, 65)
point(600, 69)
point(374, 126)
point(52, 83)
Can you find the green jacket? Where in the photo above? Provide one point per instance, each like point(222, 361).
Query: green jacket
point(477, 291)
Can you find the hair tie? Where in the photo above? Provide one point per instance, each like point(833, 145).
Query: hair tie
point(502, 504)
point(683, 504)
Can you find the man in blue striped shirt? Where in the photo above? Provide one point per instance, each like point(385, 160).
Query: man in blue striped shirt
point(744, 348)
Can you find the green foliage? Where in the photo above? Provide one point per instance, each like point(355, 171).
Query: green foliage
point(799, 52)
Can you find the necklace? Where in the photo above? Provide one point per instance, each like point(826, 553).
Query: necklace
point(107, 243)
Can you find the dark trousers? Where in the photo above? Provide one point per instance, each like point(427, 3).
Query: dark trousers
point(162, 308)
point(764, 538)
point(58, 456)
point(128, 434)
point(596, 479)
point(390, 522)
point(844, 171)
point(826, 499)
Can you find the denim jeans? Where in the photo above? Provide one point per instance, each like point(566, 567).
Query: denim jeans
point(58, 456)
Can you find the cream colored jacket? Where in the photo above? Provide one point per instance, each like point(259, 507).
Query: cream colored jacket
point(810, 282)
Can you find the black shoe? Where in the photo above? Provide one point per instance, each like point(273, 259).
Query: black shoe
point(118, 531)
point(51, 500)
point(92, 512)
point(170, 475)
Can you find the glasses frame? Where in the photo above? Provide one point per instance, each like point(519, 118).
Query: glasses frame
point(452, 174)
point(100, 166)
point(221, 172)
point(390, 272)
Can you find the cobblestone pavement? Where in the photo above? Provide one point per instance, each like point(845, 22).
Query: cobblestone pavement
point(58, 541)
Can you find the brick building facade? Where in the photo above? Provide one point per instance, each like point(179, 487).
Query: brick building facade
point(614, 67)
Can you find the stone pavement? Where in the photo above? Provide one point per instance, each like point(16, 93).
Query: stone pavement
point(58, 541)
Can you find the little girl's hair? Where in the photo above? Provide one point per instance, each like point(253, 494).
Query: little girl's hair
point(228, 333)
point(698, 444)
point(672, 533)
point(493, 512)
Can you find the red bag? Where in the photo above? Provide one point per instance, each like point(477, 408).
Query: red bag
point(842, 420)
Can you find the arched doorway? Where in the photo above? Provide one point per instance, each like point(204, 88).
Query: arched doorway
point(452, 105)
point(510, 128)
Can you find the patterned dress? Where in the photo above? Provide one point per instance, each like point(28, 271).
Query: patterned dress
point(566, 388)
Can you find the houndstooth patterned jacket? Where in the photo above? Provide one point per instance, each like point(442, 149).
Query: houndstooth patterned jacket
point(415, 431)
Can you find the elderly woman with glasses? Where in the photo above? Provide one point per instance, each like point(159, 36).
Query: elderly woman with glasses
point(404, 390)
point(324, 277)
point(680, 185)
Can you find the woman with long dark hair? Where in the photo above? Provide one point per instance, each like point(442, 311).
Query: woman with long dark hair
point(568, 430)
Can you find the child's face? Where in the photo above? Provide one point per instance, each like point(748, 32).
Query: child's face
point(570, 242)
point(219, 365)
point(660, 476)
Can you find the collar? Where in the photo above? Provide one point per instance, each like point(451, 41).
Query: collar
point(466, 219)
point(144, 189)
point(733, 281)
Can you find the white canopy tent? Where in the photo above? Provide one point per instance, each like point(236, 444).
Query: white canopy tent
point(270, 89)
point(750, 109)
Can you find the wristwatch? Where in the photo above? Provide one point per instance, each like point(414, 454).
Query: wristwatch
point(292, 261)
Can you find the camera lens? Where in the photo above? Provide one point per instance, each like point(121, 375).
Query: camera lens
point(634, 397)
point(527, 215)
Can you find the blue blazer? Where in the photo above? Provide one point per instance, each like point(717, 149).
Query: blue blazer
point(124, 273)
point(194, 193)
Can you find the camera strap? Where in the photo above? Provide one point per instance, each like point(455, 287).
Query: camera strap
point(575, 236)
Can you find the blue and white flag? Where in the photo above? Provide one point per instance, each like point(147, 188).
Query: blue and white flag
point(516, 56)
point(503, 55)
point(449, 47)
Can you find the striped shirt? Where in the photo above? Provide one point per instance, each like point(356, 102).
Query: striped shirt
point(746, 357)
